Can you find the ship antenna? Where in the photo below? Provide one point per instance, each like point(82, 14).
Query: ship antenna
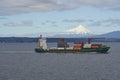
point(40, 36)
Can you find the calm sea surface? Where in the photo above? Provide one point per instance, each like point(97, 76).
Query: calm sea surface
point(18, 61)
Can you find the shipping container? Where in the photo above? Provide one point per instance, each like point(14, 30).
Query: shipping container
point(60, 48)
point(76, 48)
point(69, 48)
point(60, 45)
point(61, 42)
point(96, 45)
point(87, 46)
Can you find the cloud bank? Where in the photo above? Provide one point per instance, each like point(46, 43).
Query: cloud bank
point(77, 20)
point(10, 7)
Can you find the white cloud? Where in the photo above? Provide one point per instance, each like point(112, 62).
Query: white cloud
point(77, 20)
point(19, 24)
point(8, 7)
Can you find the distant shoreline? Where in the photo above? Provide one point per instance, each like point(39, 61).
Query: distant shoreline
point(32, 40)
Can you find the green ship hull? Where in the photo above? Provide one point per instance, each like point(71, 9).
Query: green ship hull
point(103, 49)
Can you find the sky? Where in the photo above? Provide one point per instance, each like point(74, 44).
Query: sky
point(34, 17)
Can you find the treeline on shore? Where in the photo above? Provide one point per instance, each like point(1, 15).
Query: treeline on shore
point(29, 40)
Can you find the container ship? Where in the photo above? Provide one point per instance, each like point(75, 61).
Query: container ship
point(63, 46)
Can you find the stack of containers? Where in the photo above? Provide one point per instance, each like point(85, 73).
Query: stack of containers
point(77, 46)
point(61, 44)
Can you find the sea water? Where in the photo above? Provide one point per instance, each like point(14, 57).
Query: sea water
point(18, 61)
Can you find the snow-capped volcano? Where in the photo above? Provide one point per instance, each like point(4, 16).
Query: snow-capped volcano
point(79, 30)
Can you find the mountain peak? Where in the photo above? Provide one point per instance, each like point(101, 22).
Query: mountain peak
point(79, 30)
point(114, 34)
point(76, 32)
